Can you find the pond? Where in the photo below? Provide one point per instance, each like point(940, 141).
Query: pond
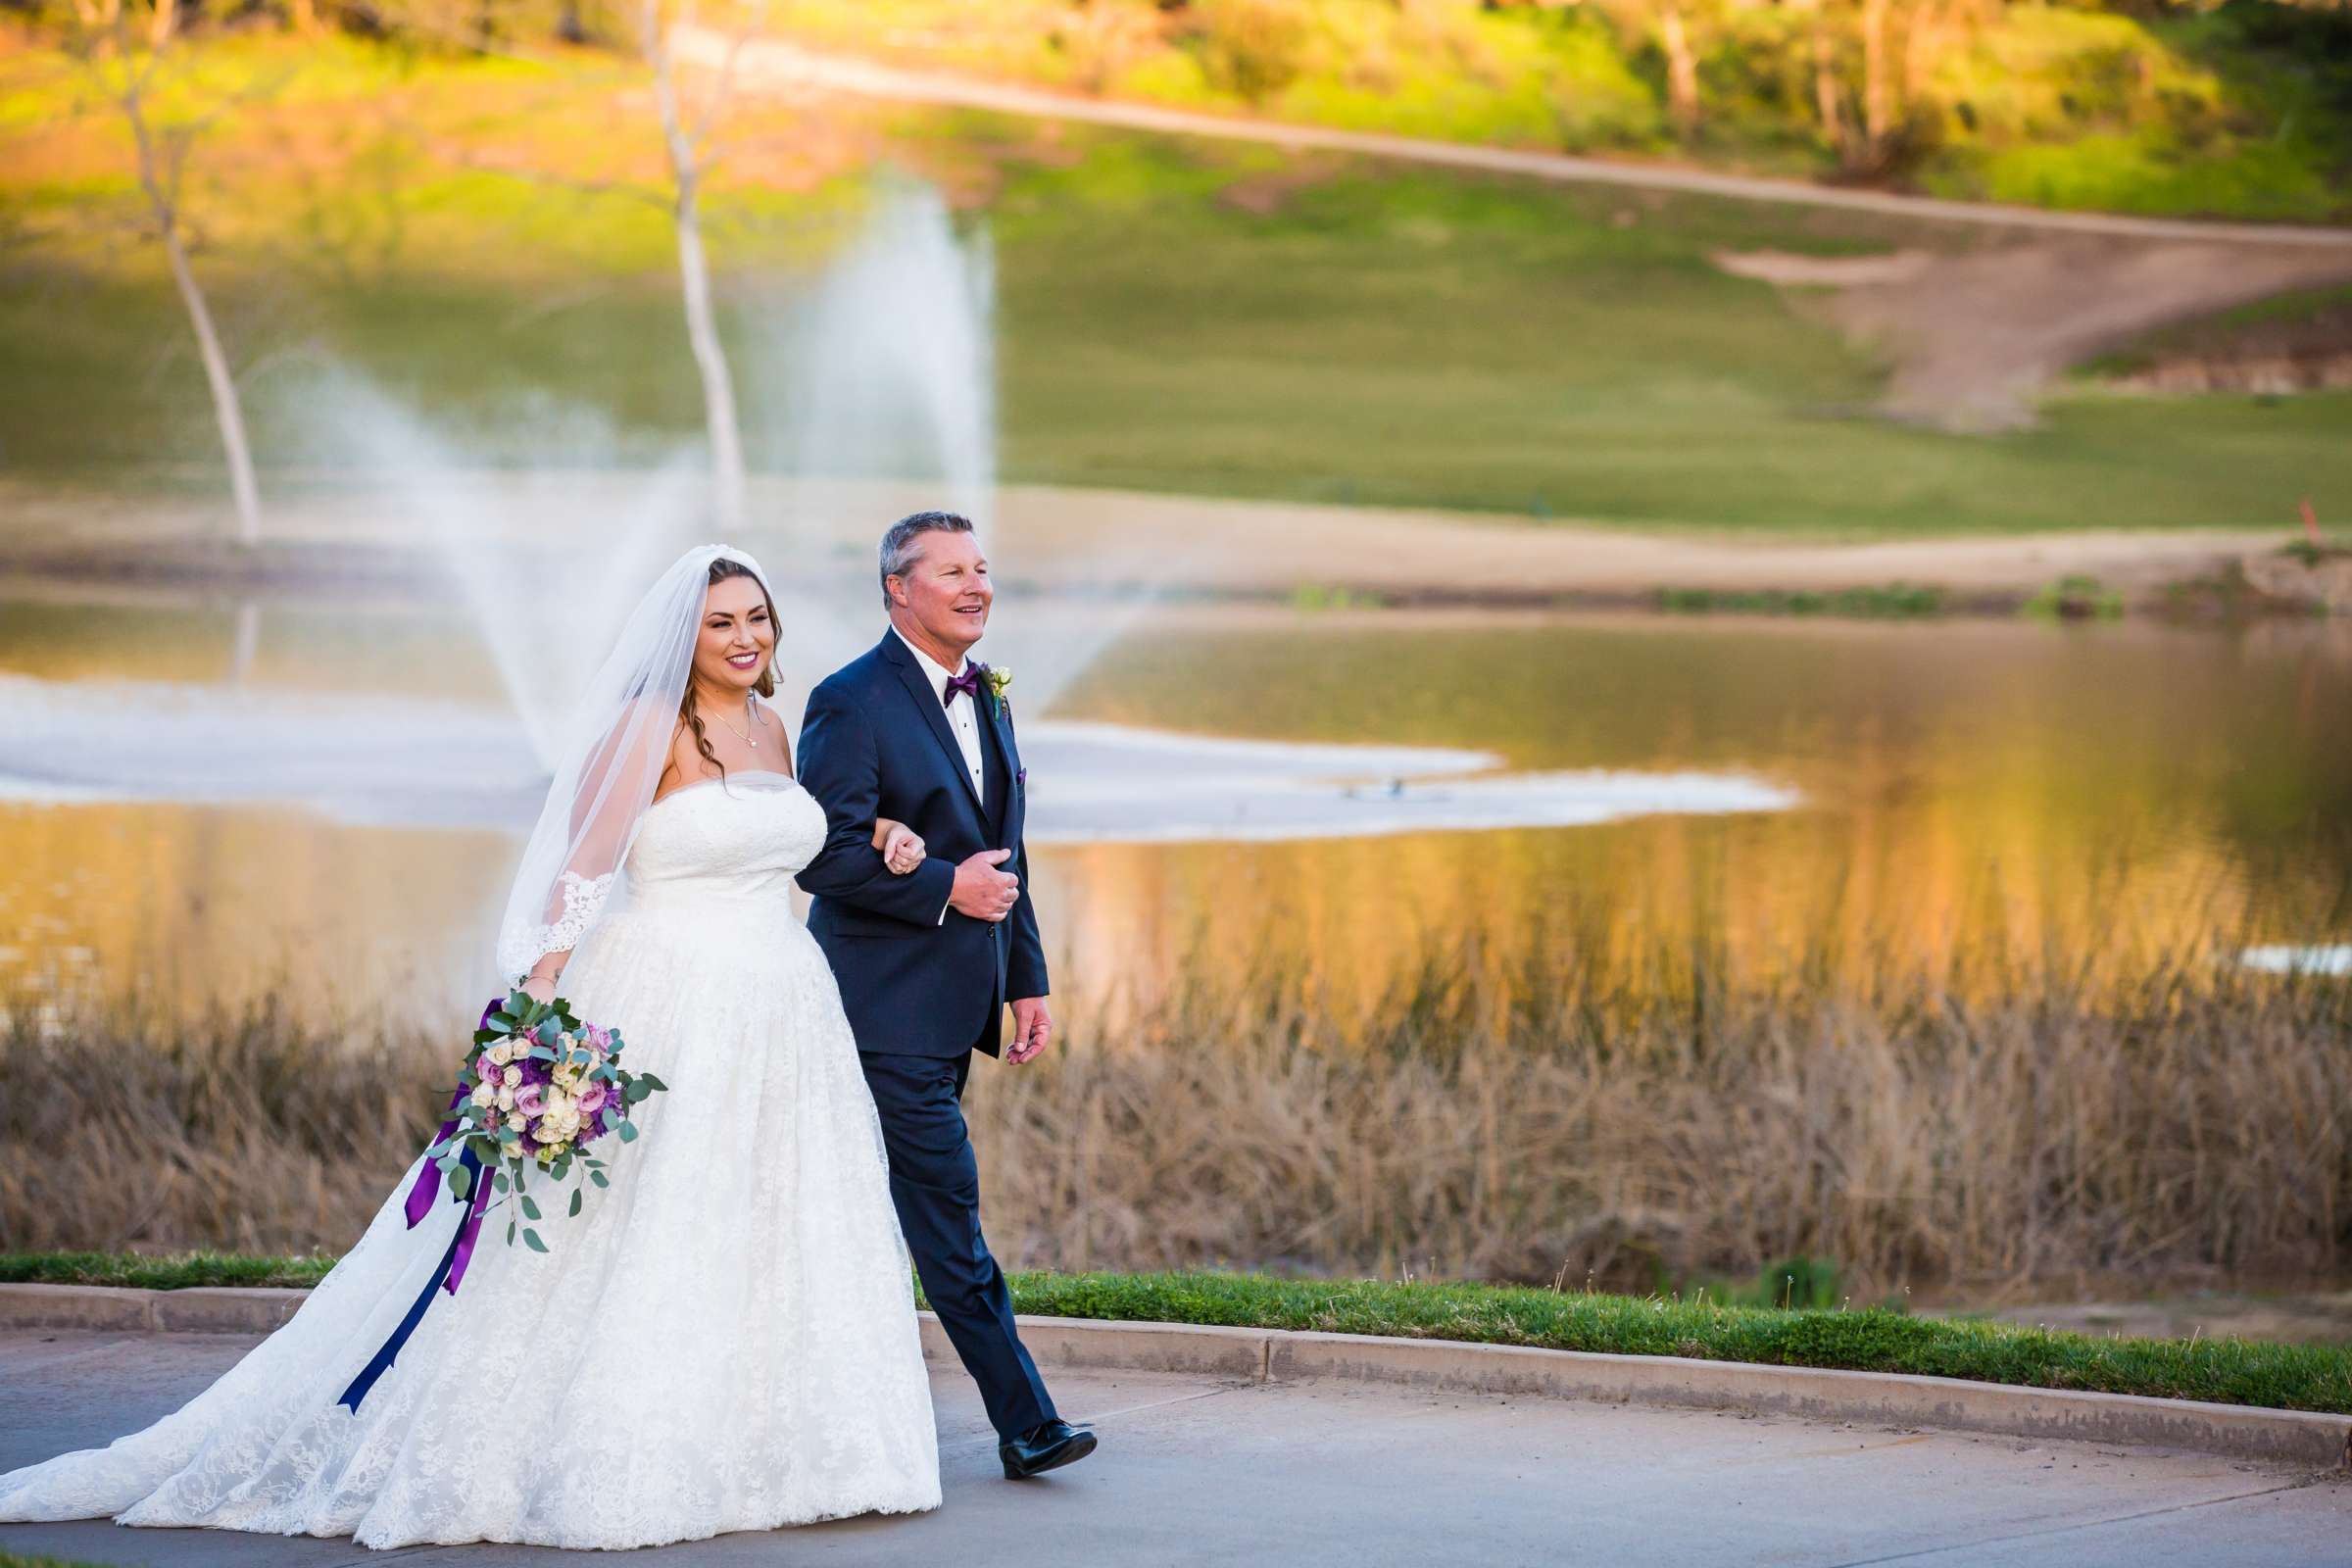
point(204, 800)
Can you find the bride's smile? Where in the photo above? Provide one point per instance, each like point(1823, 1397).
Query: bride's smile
point(738, 636)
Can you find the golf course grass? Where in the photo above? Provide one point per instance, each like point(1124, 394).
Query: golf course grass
point(1221, 320)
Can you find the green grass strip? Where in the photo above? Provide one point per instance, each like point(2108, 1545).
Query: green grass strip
point(2285, 1377)
point(176, 1271)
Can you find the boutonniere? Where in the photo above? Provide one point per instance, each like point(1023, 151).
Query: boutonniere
point(995, 680)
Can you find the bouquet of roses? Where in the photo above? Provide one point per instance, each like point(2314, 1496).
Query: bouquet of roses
point(538, 1086)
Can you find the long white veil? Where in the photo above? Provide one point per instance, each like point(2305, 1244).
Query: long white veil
point(615, 745)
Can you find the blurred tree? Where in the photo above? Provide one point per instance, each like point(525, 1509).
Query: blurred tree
point(692, 154)
point(127, 51)
point(1682, 67)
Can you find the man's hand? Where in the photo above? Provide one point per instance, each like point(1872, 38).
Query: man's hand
point(981, 890)
point(1032, 1029)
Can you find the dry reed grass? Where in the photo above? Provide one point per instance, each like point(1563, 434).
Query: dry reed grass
point(1561, 1120)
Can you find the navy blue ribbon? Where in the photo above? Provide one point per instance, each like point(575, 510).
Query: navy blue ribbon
point(467, 1222)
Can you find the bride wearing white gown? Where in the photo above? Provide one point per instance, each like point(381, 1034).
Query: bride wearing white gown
point(725, 1338)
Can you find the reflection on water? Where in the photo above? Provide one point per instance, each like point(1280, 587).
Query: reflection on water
point(2085, 796)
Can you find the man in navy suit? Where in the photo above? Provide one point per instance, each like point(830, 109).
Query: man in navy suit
point(916, 732)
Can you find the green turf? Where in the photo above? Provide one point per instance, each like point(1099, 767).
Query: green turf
point(1172, 315)
point(2219, 1371)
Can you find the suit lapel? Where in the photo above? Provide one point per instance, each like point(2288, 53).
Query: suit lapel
point(1009, 769)
point(933, 712)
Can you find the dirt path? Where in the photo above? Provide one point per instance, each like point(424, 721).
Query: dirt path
point(1072, 540)
point(773, 64)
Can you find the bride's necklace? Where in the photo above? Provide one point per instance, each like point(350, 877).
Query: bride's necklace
point(744, 736)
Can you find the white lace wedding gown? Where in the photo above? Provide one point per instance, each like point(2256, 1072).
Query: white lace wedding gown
point(724, 1338)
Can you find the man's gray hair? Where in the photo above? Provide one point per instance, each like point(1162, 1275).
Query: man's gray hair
point(899, 549)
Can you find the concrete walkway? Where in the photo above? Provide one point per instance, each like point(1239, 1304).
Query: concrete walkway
point(1200, 1470)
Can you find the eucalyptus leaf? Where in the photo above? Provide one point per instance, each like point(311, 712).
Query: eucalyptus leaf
point(532, 1237)
point(575, 1199)
point(531, 1209)
point(598, 1177)
point(509, 1233)
point(629, 1132)
point(649, 1078)
point(502, 1181)
point(638, 1089)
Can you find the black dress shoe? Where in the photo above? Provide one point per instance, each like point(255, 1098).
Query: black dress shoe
point(1044, 1447)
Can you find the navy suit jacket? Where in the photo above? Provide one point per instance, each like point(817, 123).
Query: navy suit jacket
point(875, 742)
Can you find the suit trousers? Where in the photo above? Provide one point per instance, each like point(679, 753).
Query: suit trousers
point(935, 1182)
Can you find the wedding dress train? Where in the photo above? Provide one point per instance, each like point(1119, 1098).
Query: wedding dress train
point(723, 1339)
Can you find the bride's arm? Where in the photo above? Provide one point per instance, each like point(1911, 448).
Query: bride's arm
point(901, 846)
point(605, 812)
point(843, 770)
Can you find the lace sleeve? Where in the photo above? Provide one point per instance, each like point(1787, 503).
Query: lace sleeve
point(616, 783)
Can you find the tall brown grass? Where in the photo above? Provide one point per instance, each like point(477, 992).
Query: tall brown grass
point(1522, 1121)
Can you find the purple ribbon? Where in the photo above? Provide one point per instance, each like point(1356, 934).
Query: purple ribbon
point(429, 1181)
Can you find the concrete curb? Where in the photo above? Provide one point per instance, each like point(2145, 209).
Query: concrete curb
point(1279, 1355)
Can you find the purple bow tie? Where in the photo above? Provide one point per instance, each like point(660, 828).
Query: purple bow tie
point(967, 683)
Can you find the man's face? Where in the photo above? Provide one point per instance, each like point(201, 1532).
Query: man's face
point(946, 591)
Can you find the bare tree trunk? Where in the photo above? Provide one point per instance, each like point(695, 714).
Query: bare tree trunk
point(167, 22)
point(1682, 70)
point(1878, 91)
point(227, 412)
point(1825, 90)
point(306, 15)
point(710, 357)
point(702, 327)
point(1919, 48)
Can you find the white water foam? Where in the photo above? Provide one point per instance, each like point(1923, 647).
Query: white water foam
point(2298, 961)
point(393, 762)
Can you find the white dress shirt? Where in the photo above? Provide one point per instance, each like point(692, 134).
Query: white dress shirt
point(963, 717)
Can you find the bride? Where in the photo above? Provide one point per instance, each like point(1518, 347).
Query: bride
point(725, 1338)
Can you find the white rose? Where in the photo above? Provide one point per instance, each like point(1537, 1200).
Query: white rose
point(484, 1094)
point(510, 1077)
point(502, 1053)
point(517, 1120)
point(505, 1100)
